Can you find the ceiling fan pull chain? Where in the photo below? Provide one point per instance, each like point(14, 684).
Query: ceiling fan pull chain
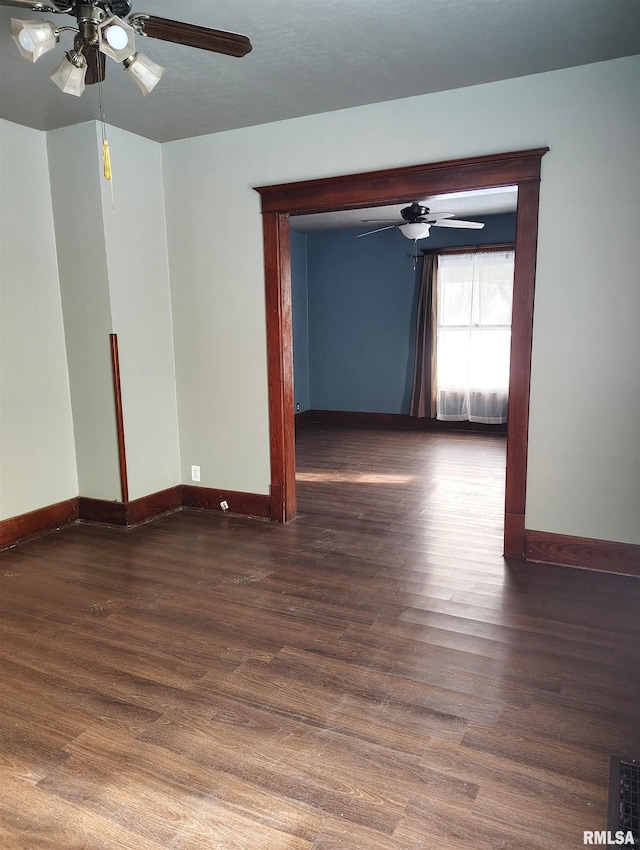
point(106, 153)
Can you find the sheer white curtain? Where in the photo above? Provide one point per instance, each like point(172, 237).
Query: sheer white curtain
point(474, 296)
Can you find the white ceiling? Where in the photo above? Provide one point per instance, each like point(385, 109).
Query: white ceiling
point(312, 56)
point(465, 205)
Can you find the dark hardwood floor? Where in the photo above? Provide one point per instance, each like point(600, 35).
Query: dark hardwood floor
point(372, 676)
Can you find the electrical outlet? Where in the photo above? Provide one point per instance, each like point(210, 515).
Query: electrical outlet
point(195, 473)
point(298, 407)
point(224, 505)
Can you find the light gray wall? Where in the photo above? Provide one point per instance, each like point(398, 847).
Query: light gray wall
point(37, 459)
point(214, 233)
point(138, 273)
point(114, 278)
point(584, 439)
point(584, 460)
point(76, 169)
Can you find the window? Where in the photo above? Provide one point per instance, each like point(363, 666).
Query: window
point(473, 336)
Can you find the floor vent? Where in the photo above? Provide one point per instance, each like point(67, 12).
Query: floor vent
point(624, 797)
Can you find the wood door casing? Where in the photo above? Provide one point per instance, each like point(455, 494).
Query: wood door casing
point(391, 186)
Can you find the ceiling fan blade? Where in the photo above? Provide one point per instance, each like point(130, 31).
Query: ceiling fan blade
point(432, 217)
point(229, 43)
point(369, 232)
point(458, 222)
point(436, 216)
point(32, 5)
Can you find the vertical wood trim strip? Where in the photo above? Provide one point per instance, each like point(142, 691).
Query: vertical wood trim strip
point(520, 368)
point(117, 393)
point(280, 365)
point(514, 535)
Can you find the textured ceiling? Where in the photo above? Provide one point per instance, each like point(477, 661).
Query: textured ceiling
point(461, 204)
point(312, 56)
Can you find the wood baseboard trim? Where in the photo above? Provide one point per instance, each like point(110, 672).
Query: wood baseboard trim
point(162, 502)
point(103, 511)
point(131, 513)
point(209, 498)
point(583, 552)
point(19, 528)
point(392, 420)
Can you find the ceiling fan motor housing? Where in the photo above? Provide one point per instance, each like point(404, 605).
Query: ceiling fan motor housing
point(415, 212)
point(92, 9)
point(120, 8)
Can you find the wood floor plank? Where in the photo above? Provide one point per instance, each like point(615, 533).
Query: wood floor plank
point(216, 826)
point(32, 819)
point(388, 688)
point(396, 725)
point(123, 779)
point(325, 772)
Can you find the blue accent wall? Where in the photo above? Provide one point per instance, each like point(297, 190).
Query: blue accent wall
point(361, 294)
point(299, 302)
point(357, 300)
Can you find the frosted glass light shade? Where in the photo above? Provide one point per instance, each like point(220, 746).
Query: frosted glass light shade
point(415, 230)
point(34, 37)
point(144, 71)
point(116, 39)
point(70, 74)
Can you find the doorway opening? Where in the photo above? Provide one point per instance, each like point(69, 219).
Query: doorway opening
point(520, 169)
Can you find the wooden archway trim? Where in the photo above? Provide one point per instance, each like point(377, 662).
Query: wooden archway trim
point(390, 186)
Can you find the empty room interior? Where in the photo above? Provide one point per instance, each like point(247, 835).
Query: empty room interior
point(319, 425)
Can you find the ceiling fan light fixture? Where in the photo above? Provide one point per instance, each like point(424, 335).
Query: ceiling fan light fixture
point(415, 230)
point(144, 71)
point(116, 39)
point(102, 31)
point(69, 76)
point(34, 38)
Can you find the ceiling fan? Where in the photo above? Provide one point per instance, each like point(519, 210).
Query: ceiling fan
point(417, 220)
point(102, 31)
